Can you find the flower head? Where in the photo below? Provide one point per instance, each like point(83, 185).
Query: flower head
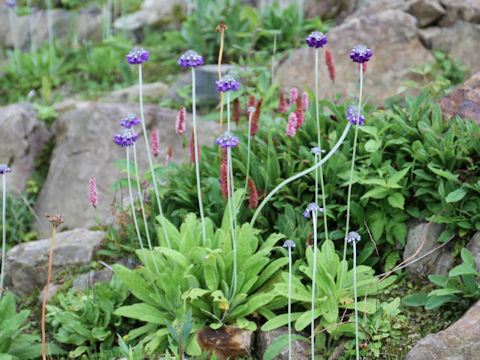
point(289, 244)
point(353, 236)
point(228, 83)
point(252, 194)
point(292, 125)
point(180, 124)
point(282, 104)
point(317, 151)
point(299, 113)
point(227, 140)
point(360, 54)
point(126, 137)
point(192, 148)
point(169, 155)
point(224, 185)
point(352, 114)
point(138, 56)
point(4, 169)
point(316, 39)
point(330, 66)
point(190, 58)
point(11, 3)
point(312, 208)
point(293, 96)
point(305, 101)
point(236, 112)
point(256, 118)
point(93, 192)
point(129, 120)
point(155, 143)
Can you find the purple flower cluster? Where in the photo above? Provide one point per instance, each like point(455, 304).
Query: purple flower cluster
point(360, 54)
point(316, 150)
point(127, 137)
point(4, 169)
point(190, 58)
point(11, 3)
point(129, 120)
point(227, 140)
point(227, 83)
point(138, 56)
point(289, 244)
point(353, 236)
point(352, 114)
point(316, 39)
point(312, 208)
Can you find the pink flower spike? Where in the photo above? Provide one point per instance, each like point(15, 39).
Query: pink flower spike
point(155, 143)
point(305, 101)
point(224, 175)
point(330, 66)
point(282, 104)
point(168, 157)
point(293, 96)
point(93, 192)
point(192, 149)
point(299, 113)
point(180, 124)
point(292, 125)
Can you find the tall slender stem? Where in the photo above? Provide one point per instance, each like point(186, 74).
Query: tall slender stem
point(4, 241)
point(314, 218)
point(145, 224)
point(197, 162)
point(349, 194)
point(319, 140)
point(355, 297)
point(248, 158)
point(289, 302)
point(50, 34)
point(299, 175)
point(150, 162)
point(132, 205)
point(44, 303)
point(273, 57)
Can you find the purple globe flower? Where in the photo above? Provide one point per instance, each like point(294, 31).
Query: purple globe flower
point(312, 207)
point(227, 140)
point(289, 244)
point(353, 236)
point(352, 114)
point(317, 151)
point(360, 54)
point(316, 39)
point(138, 56)
point(4, 169)
point(127, 137)
point(227, 83)
point(11, 3)
point(190, 58)
point(129, 120)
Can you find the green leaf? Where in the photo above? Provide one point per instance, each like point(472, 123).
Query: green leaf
point(396, 200)
point(376, 193)
point(467, 257)
point(437, 301)
point(399, 175)
point(419, 299)
point(280, 320)
point(142, 312)
point(463, 269)
point(456, 195)
point(279, 344)
point(446, 174)
point(372, 145)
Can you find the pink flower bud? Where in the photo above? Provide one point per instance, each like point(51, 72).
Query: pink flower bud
point(93, 192)
point(305, 101)
point(180, 124)
point(292, 125)
point(155, 143)
point(282, 104)
point(293, 96)
point(330, 66)
point(252, 194)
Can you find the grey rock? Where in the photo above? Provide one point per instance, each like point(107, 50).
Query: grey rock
point(371, 7)
point(439, 262)
point(427, 35)
point(329, 9)
point(87, 280)
point(474, 247)
point(386, 33)
point(26, 264)
point(23, 137)
point(52, 290)
point(465, 10)
point(426, 11)
point(460, 341)
point(85, 148)
point(153, 91)
point(205, 77)
point(300, 349)
point(457, 41)
point(338, 351)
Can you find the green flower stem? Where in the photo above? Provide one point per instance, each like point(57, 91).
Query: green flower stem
point(349, 194)
point(314, 218)
point(143, 208)
point(299, 175)
point(132, 205)
point(197, 165)
point(289, 302)
point(51, 46)
point(248, 158)
point(4, 241)
point(355, 296)
point(319, 140)
point(150, 162)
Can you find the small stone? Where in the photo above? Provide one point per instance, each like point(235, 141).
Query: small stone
point(300, 349)
point(226, 342)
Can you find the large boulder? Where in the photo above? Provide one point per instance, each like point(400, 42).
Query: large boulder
point(460, 341)
point(153, 91)
point(426, 11)
point(464, 101)
point(392, 35)
point(466, 10)
point(438, 262)
point(24, 136)
point(85, 148)
point(26, 264)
